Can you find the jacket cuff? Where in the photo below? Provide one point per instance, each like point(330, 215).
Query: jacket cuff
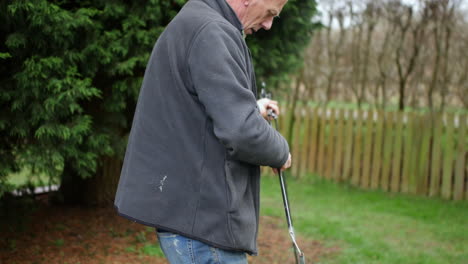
point(283, 160)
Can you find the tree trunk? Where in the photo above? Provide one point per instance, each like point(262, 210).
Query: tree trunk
point(445, 67)
point(96, 191)
point(292, 117)
point(71, 187)
point(365, 65)
point(435, 70)
point(401, 99)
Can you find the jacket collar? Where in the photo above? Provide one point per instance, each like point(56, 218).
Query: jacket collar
point(225, 10)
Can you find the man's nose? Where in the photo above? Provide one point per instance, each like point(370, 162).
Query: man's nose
point(267, 24)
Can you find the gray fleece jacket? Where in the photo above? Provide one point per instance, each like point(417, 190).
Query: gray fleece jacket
point(197, 139)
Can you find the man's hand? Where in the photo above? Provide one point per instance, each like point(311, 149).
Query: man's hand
point(286, 165)
point(264, 104)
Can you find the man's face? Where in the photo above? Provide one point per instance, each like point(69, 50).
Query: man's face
point(260, 14)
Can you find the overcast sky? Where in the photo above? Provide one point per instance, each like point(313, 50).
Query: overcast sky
point(324, 4)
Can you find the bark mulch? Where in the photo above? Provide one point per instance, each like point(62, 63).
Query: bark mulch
point(80, 235)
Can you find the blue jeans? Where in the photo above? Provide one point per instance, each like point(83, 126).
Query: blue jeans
point(182, 250)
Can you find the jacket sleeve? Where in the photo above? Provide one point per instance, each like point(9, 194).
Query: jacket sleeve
point(219, 74)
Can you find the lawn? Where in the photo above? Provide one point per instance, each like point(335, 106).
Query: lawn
point(335, 224)
point(372, 226)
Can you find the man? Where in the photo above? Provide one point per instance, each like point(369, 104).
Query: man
point(191, 168)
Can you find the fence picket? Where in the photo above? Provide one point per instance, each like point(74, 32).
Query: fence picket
point(448, 158)
point(357, 151)
point(407, 152)
point(339, 145)
point(422, 175)
point(296, 151)
point(368, 141)
point(436, 154)
point(331, 145)
point(321, 143)
point(285, 119)
point(397, 154)
point(415, 149)
point(377, 151)
point(387, 152)
point(461, 162)
point(306, 142)
point(348, 143)
point(313, 141)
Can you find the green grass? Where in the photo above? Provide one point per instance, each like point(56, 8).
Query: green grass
point(373, 226)
point(59, 242)
point(150, 249)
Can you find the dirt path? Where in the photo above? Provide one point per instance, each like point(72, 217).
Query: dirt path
point(98, 236)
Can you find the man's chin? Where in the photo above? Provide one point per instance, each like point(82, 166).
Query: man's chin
point(249, 31)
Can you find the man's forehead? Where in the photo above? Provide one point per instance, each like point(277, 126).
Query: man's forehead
point(275, 6)
point(279, 3)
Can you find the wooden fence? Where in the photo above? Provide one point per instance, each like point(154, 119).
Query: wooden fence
point(407, 152)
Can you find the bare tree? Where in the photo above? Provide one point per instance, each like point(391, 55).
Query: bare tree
point(406, 60)
point(388, 52)
point(334, 51)
point(355, 46)
point(447, 25)
point(370, 21)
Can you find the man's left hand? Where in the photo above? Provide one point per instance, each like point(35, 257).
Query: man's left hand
point(264, 104)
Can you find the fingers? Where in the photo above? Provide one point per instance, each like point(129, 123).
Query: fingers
point(274, 107)
point(264, 104)
point(287, 165)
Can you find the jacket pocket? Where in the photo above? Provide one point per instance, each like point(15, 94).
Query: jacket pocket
point(242, 219)
point(236, 182)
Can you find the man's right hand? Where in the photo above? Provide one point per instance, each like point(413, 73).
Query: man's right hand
point(286, 165)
